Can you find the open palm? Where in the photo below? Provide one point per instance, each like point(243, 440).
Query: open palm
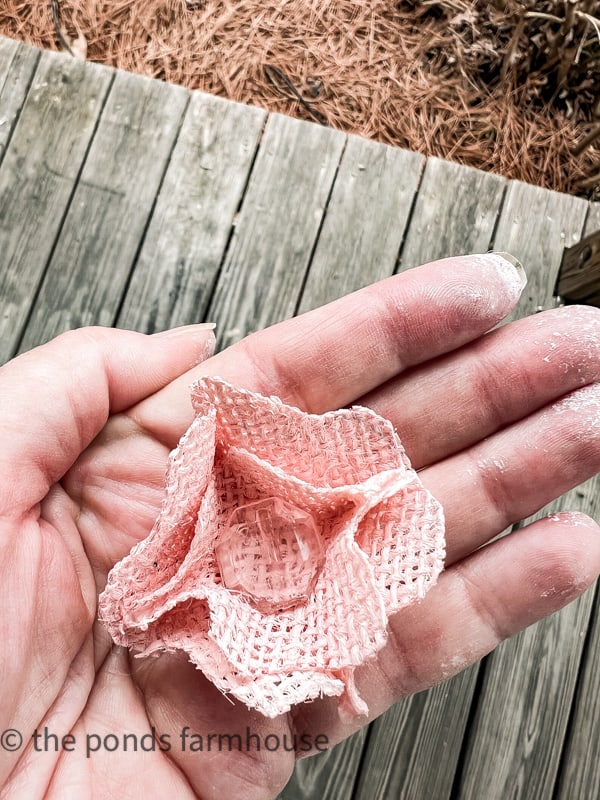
point(497, 424)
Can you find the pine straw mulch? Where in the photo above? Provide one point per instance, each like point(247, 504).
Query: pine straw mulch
point(508, 86)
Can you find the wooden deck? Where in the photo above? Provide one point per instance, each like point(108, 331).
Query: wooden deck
point(128, 202)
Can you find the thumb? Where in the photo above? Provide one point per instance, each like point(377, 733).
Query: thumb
point(56, 398)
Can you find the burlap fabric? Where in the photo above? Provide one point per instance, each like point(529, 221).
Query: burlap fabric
point(323, 521)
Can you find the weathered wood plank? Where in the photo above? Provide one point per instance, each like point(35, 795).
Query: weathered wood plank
point(188, 233)
point(579, 276)
point(514, 745)
point(17, 65)
point(373, 194)
point(592, 224)
point(398, 760)
point(37, 177)
point(277, 228)
point(359, 242)
point(579, 775)
point(328, 776)
point(427, 729)
point(515, 741)
point(455, 213)
point(111, 206)
point(535, 226)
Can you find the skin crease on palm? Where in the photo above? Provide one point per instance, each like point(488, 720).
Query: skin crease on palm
point(498, 424)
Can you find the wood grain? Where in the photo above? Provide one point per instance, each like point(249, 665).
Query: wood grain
point(277, 227)
point(38, 175)
point(17, 65)
point(354, 249)
point(112, 203)
point(328, 776)
point(455, 213)
point(527, 692)
point(414, 747)
point(535, 225)
point(182, 251)
point(579, 775)
point(365, 221)
point(427, 729)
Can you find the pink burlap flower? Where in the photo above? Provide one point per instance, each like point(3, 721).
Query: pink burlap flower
point(284, 542)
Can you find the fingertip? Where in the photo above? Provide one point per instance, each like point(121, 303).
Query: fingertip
point(500, 270)
point(470, 293)
point(574, 519)
point(512, 271)
point(569, 561)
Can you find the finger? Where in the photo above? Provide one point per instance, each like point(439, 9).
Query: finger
point(327, 358)
point(514, 473)
point(492, 595)
point(443, 407)
point(256, 757)
point(57, 397)
point(114, 741)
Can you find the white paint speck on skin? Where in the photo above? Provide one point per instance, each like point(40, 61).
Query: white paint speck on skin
point(583, 401)
point(514, 277)
point(583, 406)
point(573, 518)
point(580, 342)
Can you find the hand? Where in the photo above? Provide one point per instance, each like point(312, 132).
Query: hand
point(86, 427)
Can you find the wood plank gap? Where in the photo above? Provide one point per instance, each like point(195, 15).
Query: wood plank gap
point(227, 247)
point(319, 230)
point(40, 283)
point(553, 220)
point(498, 217)
point(478, 679)
point(356, 249)
point(428, 728)
point(586, 653)
point(411, 211)
point(330, 775)
point(174, 275)
point(24, 52)
point(37, 182)
point(150, 217)
point(268, 254)
point(361, 759)
point(439, 227)
point(524, 733)
point(109, 210)
point(578, 774)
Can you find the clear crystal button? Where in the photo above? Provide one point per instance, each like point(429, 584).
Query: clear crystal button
point(271, 552)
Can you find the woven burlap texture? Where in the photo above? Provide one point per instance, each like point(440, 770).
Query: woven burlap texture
point(381, 533)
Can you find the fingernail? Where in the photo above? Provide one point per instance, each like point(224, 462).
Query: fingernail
point(517, 272)
point(185, 330)
point(207, 340)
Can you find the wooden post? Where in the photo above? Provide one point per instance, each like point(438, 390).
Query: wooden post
point(579, 275)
